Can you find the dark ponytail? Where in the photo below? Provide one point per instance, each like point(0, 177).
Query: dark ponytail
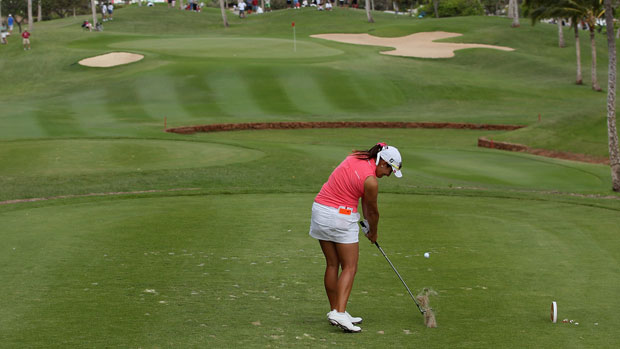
point(370, 154)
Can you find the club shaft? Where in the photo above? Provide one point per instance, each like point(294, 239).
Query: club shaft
point(400, 277)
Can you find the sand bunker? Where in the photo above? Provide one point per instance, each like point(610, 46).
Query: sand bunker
point(111, 59)
point(415, 45)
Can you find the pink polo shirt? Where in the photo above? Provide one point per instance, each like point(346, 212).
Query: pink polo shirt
point(345, 185)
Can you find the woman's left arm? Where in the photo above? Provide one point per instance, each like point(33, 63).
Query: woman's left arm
point(370, 207)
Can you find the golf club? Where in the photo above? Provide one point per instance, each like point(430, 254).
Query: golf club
point(427, 312)
point(422, 311)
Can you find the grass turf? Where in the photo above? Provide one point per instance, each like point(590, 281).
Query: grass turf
point(211, 270)
point(279, 161)
point(195, 71)
point(230, 263)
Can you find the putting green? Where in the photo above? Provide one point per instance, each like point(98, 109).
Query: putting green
point(231, 47)
point(72, 156)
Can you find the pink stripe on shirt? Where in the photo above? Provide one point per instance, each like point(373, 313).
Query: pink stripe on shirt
point(345, 185)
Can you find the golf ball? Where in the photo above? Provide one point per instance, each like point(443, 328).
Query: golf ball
point(427, 255)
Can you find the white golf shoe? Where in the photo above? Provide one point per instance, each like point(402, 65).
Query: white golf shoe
point(354, 319)
point(342, 320)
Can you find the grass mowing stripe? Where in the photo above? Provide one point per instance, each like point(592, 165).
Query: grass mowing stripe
point(22, 122)
point(92, 103)
point(121, 103)
point(233, 93)
point(59, 120)
point(341, 91)
point(199, 99)
point(263, 83)
point(310, 97)
point(159, 96)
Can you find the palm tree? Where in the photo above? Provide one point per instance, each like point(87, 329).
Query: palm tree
point(513, 7)
point(538, 10)
point(94, 8)
point(561, 42)
point(541, 9)
point(612, 134)
point(223, 8)
point(575, 25)
point(370, 20)
point(30, 15)
point(590, 11)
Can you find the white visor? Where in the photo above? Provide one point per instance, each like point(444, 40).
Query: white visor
point(391, 155)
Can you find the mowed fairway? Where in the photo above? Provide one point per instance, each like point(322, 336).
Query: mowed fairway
point(116, 234)
point(241, 270)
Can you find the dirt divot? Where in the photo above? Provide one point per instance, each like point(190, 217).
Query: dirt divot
point(420, 45)
point(111, 59)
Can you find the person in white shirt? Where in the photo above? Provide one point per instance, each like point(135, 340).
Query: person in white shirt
point(241, 7)
point(110, 12)
point(104, 12)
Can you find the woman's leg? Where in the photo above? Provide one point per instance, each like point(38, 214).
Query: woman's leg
point(348, 255)
point(338, 288)
point(331, 272)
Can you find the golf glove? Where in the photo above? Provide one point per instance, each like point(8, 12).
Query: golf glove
point(365, 226)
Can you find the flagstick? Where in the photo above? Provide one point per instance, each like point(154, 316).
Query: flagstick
point(294, 40)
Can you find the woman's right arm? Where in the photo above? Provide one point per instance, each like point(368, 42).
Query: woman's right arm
point(369, 206)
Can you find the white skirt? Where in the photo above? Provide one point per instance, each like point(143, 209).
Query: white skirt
point(330, 225)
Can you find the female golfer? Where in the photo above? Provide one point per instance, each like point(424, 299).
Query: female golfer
point(335, 218)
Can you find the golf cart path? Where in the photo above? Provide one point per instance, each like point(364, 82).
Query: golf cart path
point(420, 45)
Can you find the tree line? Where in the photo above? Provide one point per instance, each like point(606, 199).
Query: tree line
point(46, 9)
point(593, 16)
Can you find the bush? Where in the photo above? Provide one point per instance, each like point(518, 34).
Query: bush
point(454, 8)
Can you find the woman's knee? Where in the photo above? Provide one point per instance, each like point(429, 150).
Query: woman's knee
point(349, 268)
point(332, 267)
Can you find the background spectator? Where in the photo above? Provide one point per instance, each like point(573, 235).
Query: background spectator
point(26, 39)
point(10, 22)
